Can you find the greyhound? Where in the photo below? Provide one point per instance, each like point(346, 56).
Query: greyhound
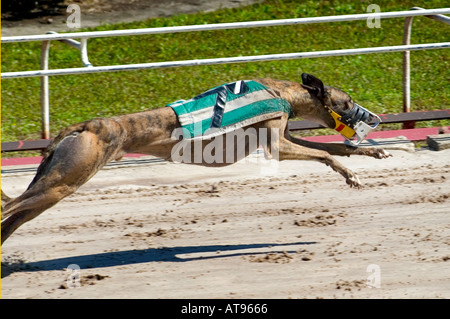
point(82, 149)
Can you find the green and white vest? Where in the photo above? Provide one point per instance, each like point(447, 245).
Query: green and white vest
point(228, 107)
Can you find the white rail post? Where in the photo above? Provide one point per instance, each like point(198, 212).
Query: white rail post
point(45, 108)
point(84, 54)
point(45, 100)
point(407, 61)
point(406, 66)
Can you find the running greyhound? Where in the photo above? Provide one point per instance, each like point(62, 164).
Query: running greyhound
point(82, 149)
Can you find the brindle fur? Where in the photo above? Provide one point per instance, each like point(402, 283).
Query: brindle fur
point(82, 149)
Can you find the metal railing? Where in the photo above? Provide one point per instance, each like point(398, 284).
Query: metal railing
point(406, 59)
point(84, 36)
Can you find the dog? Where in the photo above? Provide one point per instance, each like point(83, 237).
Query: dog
point(82, 149)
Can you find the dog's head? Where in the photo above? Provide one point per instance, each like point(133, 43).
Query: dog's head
point(344, 115)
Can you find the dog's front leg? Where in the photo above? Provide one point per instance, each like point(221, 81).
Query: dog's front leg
point(342, 149)
point(292, 151)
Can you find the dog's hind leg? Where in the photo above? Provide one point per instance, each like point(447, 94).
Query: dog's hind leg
point(292, 151)
point(72, 161)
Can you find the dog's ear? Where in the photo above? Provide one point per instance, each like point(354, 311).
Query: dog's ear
point(313, 85)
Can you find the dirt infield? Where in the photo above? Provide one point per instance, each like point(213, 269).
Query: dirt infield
point(153, 230)
point(100, 12)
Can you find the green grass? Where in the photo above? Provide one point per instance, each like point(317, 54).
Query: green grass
point(374, 80)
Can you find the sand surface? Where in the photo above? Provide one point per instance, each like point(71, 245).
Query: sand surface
point(159, 230)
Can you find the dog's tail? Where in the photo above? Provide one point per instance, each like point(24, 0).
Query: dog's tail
point(5, 199)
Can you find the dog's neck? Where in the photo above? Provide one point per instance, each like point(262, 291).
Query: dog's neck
point(303, 104)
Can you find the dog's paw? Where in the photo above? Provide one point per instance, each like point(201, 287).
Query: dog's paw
point(377, 153)
point(381, 153)
point(353, 181)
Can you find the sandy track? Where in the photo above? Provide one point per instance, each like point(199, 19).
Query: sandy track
point(179, 231)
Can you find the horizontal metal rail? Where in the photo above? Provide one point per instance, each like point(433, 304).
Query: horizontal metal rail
point(222, 26)
point(437, 17)
point(255, 58)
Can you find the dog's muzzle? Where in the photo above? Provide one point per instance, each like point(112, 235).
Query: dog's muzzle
point(356, 123)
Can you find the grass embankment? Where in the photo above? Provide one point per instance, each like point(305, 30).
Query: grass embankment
point(374, 80)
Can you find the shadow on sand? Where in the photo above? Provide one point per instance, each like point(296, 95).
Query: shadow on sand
point(165, 254)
